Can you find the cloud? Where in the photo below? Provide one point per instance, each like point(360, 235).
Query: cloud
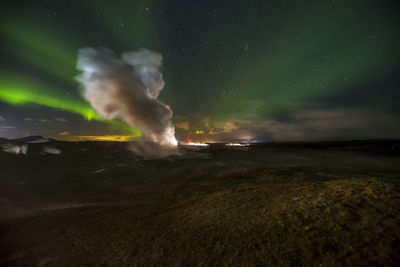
point(206, 122)
point(182, 125)
point(61, 120)
point(180, 117)
point(64, 133)
point(7, 127)
point(318, 123)
point(232, 125)
point(39, 120)
point(127, 88)
point(343, 123)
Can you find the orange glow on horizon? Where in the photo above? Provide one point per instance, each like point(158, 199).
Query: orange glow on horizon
point(111, 138)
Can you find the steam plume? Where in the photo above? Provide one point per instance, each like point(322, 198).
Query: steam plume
point(127, 88)
point(16, 149)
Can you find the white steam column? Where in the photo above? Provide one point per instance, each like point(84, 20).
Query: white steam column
point(127, 88)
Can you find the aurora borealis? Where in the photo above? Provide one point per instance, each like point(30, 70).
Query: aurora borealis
point(275, 70)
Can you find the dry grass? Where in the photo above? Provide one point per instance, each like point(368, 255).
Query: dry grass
point(326, 223)
point(352, 222)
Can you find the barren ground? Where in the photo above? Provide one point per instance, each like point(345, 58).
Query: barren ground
point(96, 204)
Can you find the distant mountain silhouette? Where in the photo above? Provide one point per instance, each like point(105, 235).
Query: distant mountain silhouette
point(31, 139)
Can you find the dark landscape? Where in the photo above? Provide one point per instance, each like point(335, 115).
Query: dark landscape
point(96, 204)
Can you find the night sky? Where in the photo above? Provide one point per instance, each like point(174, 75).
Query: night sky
point(254, 70)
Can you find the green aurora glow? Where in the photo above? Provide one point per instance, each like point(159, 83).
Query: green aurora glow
point(16, 92)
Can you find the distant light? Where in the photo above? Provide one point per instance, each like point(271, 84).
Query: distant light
point(195, 144)
point(236, 144)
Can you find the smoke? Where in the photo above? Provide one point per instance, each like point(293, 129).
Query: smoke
point(51, 150)
point(15, 149)
point(127, 88)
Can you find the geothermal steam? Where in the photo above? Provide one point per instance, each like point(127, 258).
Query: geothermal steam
point(127, 88)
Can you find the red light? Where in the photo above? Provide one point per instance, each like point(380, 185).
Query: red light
point(188, 140)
